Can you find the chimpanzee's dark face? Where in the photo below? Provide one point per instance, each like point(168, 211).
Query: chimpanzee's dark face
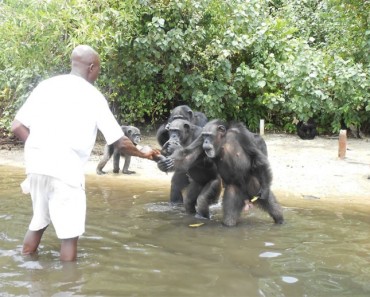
point(136, 138)
point(174, 134)
point(133, 133)
point(212, 134)
point(178, 131)
point(179, 134)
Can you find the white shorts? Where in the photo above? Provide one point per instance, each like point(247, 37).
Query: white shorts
point(57, 202)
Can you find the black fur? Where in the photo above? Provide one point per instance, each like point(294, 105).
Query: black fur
point(241, 162)
point(306, 130)
point(183, 112)
point(204, 187)
point(134, 135)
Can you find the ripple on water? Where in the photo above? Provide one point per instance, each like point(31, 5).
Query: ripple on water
point(163, 207)
point(270, 255)
point(31, 265)
point(289, 279)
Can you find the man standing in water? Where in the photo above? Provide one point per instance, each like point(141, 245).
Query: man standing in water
point(59, 123)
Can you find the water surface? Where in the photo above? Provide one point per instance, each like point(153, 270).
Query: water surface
point(136, 244)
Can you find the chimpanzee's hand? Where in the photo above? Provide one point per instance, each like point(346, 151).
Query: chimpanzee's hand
point(170, 146)
point(165, 164)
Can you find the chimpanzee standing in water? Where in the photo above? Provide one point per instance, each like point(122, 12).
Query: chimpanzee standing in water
point(205, 185)
point(244, 168)
point(180, 179)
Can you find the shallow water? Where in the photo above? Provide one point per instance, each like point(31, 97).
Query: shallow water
point(136, 244)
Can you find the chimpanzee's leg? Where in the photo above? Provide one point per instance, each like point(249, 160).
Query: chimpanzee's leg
point(108, 151)
point(272, 207)
point(179, 181)
point(209, 195)
point(232, 205)
point(116, 159)
point(127, 165)
point(191, 196)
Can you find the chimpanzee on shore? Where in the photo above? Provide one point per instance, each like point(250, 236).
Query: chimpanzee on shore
point(244, 168)
point(180, 179)
point(134, 135)
point(306, 130)
point(205, 185)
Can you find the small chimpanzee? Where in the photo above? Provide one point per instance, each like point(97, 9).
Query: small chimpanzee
point(243, 166)
point(134, 135)
point(306, 130)
point(205, 185)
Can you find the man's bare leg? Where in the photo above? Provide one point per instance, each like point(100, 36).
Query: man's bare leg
point(31, 241)
point(68, 249)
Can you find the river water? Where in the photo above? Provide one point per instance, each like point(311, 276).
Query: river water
point(136, 244)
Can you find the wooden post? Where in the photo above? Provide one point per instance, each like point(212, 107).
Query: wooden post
point(262, 127)
point(342, 143)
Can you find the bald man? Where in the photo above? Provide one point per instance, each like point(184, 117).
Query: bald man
point(58, 123)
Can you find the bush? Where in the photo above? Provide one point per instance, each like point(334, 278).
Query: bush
point(235, 60)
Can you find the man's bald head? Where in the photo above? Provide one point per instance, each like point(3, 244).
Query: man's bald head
point(85, 62)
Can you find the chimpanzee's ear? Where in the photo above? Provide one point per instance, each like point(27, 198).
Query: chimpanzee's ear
point(129, 131)
point(221, 129)
point(191, 115)
point(186, 127)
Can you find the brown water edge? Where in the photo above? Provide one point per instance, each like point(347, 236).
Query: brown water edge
point(336, 202)
point(286, 197)
point(330, 203)
point(302, 170)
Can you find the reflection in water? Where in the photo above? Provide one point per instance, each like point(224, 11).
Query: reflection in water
point(136, 244)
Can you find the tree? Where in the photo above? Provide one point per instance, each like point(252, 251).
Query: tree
point(235, 60)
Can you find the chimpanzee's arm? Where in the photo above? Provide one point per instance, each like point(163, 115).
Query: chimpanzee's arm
point(262, 172)
point(182, 158)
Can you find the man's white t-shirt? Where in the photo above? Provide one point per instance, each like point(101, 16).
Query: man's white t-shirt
point(63, 114)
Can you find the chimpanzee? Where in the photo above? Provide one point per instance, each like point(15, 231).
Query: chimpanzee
point(134, 135)
point(200, 119)
point(244, 168)
point(306, 130)
point(180, 179)
point(181, 112)
point(204, 187)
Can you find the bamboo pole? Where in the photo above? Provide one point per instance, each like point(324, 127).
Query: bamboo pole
point(262, 127)
point(342, 144)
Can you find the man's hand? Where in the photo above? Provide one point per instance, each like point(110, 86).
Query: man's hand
point(149, 153)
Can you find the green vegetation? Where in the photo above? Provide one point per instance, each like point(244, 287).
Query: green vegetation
point(236, 60)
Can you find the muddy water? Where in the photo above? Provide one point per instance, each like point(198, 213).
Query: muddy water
point(137, 245)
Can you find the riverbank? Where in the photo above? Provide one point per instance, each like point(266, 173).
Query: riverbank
point(303, 169)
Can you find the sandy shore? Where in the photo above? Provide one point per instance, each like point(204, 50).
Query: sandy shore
point(302, 169)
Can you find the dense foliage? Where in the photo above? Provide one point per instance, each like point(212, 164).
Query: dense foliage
point(237, 60)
